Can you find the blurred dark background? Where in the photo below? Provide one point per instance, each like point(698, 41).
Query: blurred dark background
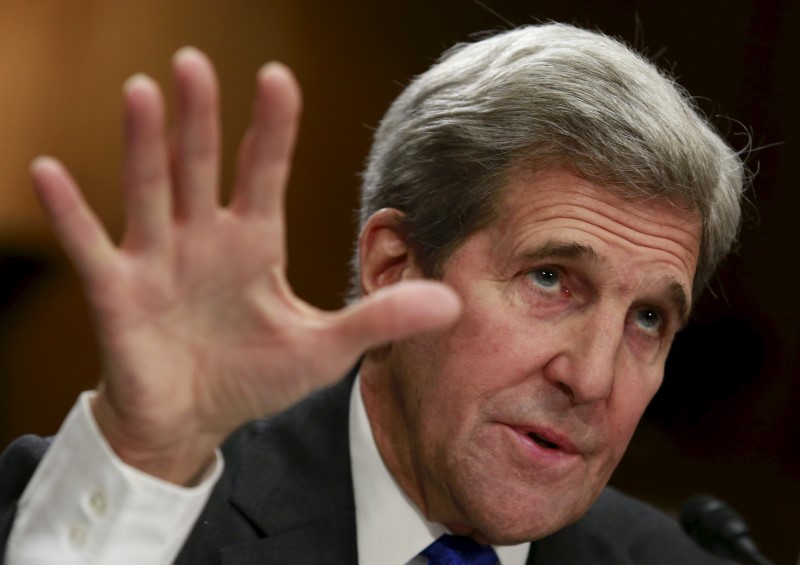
point(726, 421)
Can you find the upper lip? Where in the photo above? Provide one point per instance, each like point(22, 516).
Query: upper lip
point(548, 435)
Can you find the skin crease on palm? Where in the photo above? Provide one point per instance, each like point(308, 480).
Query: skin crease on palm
point(507, 425)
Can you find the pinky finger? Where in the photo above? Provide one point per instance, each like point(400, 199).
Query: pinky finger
point(77, 228)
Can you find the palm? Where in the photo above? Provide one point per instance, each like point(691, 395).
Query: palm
point(211, 309)
point(198, 327)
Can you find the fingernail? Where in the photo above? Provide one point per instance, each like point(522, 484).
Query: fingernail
point(43, 162)
point(270, 67)
point(185, 52)
point(139, 79)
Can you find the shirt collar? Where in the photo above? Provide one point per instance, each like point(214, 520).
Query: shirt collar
point(390, 529)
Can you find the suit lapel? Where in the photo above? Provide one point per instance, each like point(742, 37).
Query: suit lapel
point(295, 486)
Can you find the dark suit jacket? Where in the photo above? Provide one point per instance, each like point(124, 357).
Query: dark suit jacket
point(286, 496)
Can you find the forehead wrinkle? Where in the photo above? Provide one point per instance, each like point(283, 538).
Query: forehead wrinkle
point(638, 219)
point(631, 234)
point(628, 234)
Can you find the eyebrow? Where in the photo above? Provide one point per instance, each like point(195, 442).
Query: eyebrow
point(562, 250)
point(553, 249)
point(679, 298)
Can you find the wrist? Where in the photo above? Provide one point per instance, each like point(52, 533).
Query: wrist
point(182, 459)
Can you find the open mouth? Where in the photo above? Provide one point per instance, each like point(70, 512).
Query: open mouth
point(539, 440)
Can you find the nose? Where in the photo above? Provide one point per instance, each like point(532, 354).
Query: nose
point(586, 364)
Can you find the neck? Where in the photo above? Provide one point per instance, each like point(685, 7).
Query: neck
point(383, 401)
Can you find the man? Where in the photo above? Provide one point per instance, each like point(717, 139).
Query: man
point(539, 210)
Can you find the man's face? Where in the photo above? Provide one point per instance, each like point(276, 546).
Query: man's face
point(508, 424)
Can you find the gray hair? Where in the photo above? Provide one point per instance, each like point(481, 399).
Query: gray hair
point(535, 97)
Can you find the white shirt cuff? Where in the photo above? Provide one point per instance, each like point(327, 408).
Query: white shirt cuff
point(85, 506)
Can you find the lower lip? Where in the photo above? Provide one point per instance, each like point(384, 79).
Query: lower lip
point(539, 454)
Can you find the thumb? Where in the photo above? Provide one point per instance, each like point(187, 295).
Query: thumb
point(395, 312)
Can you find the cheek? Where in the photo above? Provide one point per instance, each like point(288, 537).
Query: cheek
point(457, 373)
point(629, 401)
point(496, 329)
point(483, 353)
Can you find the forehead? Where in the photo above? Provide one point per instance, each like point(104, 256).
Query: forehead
point(558, 205)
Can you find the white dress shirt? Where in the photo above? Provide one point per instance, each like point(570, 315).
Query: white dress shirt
point(84, 506)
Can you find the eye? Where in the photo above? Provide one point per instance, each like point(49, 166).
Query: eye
point(649, 319)
point(546, 278)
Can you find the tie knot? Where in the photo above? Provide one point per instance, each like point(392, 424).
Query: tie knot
point(459, 550)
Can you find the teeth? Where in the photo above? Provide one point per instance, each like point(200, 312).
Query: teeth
point(543, 442)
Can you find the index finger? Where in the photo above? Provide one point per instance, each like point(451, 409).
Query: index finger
point(265, 155)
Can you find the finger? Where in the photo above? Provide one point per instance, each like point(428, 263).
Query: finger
point(265, 155)
point(196, 142)
point(396, 312)
point(77, 228)
point(146, 166)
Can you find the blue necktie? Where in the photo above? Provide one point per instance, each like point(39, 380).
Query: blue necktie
point(459, 550)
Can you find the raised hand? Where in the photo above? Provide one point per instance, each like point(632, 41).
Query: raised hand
point(197, 325)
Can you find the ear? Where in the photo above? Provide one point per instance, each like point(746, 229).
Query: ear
point(383, 252)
